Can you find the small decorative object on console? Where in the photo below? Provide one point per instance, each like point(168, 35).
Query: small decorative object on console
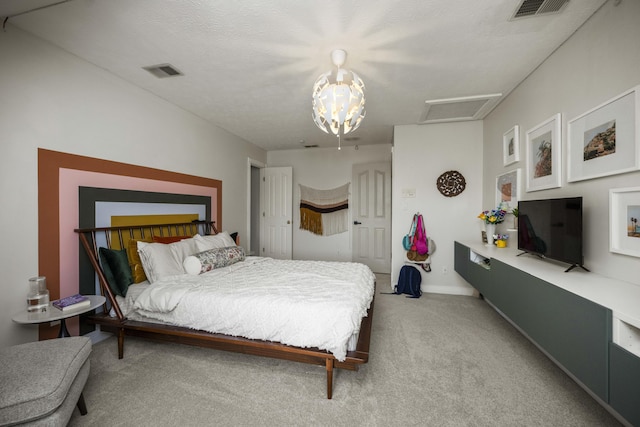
point(501, 240)
point(71, 303)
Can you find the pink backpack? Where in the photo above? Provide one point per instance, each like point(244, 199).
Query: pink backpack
point(420, 239)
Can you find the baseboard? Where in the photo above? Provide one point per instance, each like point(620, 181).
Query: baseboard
point(448, 290)
point(97, 335)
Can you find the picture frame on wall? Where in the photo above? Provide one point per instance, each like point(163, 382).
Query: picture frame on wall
point(544, 152)
point(511, 146)
point(624, 221)
point(508, 190)
point(605, 140)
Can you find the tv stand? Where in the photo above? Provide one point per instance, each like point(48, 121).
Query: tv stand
point(588, 324)
point(576, 265)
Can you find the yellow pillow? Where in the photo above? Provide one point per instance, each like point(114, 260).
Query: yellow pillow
point(134, 260)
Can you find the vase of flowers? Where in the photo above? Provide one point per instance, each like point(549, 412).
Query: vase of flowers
point(491, 219)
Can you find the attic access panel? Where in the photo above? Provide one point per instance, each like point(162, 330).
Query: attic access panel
point(458, 109)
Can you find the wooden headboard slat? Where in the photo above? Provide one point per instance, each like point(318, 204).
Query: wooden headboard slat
point(208, 225)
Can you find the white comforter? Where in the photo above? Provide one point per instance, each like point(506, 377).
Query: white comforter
point(300, 303)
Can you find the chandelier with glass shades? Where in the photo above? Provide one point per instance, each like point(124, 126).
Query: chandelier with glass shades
point(338, 99)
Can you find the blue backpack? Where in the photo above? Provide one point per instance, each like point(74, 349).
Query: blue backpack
point(409, 282)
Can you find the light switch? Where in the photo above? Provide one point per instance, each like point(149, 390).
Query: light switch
point(408, 192)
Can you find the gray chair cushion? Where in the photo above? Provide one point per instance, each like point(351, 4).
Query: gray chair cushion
point(35, 378)
point(61, 417)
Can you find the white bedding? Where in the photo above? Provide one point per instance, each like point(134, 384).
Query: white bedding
point(127, 303)
point(300, 303)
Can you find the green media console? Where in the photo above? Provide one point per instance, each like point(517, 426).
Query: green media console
point(570, 316)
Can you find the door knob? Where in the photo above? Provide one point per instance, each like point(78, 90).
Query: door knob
point(356, 223)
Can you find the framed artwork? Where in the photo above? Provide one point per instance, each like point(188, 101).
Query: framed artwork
point(544, 150)
point(508, 190)
point(605, 140)
point(624, 221)
point(511, 146)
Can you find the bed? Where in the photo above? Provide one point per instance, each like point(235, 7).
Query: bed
point(313, 312)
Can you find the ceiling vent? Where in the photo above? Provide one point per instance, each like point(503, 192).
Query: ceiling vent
point(538, 7)
point(163, 70)
point(458, 109)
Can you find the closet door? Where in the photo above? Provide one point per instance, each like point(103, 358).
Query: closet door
point(277, 211)
point(371, 215)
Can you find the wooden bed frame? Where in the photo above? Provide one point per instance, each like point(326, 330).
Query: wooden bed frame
point(122, 326)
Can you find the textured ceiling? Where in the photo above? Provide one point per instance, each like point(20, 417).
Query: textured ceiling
point(249, 66)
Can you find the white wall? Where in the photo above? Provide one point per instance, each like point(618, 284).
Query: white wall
point(600, 61)
point(324, 168)
point(53, 100)
point(421, 154)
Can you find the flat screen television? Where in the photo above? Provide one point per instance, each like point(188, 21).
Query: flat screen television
point(552, 228)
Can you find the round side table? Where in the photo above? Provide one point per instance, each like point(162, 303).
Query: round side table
point(52, 314)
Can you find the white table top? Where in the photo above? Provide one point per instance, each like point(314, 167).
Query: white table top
point(52, 314)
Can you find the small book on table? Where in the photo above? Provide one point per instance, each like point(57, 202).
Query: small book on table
point(72, 303)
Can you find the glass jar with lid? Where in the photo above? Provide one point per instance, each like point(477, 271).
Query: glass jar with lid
point(38, 297)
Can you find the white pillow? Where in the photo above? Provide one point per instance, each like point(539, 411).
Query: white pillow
point(220, 240)
point(192, 265)
point(160, 259)
point(183, 249)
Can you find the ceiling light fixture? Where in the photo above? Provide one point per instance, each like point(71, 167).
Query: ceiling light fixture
point(338, 99)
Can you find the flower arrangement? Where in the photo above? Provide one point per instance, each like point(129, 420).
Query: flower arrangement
point(501, 240)
point(494, 216)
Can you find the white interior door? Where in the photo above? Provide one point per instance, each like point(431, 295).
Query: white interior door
point(372, 216)
point(276, 205)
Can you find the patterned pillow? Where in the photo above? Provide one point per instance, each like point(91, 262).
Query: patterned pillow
point(213, 258)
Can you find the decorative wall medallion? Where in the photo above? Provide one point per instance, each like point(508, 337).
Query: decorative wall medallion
point(451, 183)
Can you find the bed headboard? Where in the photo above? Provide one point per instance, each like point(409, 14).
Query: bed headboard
point(118, 237)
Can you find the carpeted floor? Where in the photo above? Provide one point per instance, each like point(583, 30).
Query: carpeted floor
point(440, 360)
